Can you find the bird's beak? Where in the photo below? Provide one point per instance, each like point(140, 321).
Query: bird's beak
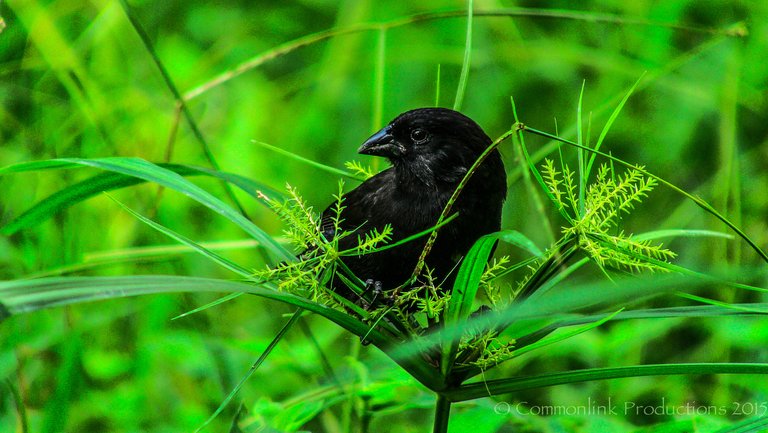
point(382, 143)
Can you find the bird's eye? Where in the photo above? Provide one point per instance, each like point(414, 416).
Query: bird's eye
point(419, 136)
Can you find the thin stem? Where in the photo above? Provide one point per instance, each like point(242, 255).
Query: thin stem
point(442, 414)
point(461, 90)
point(699, 201)
point(447, 209)
point(736, 30)
point(180, 100)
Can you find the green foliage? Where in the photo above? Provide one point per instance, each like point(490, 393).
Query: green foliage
point(161, 82)
point(357, 168)
point(597, 229)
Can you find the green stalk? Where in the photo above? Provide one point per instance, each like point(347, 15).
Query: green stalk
point(461, 90)
point(179, 100)
point(442, 414)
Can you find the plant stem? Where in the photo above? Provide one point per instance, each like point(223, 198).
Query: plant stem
point(442, 414)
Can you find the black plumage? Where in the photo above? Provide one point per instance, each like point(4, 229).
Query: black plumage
point(430, 149)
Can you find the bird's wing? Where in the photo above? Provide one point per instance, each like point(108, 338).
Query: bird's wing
point(358, 206)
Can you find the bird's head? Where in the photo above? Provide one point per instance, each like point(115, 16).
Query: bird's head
point(435, 144)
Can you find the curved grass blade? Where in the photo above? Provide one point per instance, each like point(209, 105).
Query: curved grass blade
point(226, 263)
point(514, 237)
point(736, 31)
point(223, 261)
point(462, 88)
point(180, 101)
point(355, 252)
point(108, 181)
point(565, 335)
point(463, 294)
point(566, 302)
point(681, 233)
point(272, 344)
point(309, 162)
point(653, 313)
point(504, 386)
point(24, 296)
point(758, 424)
point(139, 168)
point(609, 123)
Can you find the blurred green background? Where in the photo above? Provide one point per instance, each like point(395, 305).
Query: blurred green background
point(77, 81)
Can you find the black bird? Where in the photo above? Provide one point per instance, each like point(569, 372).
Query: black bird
point(431, 149)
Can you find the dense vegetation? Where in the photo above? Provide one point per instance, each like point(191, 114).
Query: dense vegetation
point(241, 99)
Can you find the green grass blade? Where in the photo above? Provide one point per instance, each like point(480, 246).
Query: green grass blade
point(681, 233)
point(153, 173)
point(309, 162)
point(514, 237)
point(654, 313)
point(108, 181)
point(50, 164)
point(25, 296)
point(463, 294)
point(459, 188)
point(180, 101)
point(355, 252)
point(462, 88)
point(208, 305)
point(378, 80)
point(525, 158)
point(216, 258)
point(724, 305)
point(564, 336)
point(272, 344)
point(609, 123)
point(139, 168)
point(758, 424)
point(583, 172)
point(503, 386)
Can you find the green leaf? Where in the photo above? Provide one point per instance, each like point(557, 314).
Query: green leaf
point(309, 162)
point(223, 261)
point(681, 233)
point(514, 237)
point(108, 181)
point(24, 296)
point(608, 125)
point(504, 386)
point(462, 88)
point(142, 169)
point(463, 294)
point(288, 325)
point(758, 424)
point(564, 335)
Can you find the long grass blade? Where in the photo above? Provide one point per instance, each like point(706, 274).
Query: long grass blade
point(272, 344)
point(614, 115)
point(108, 181)
point(503, 386)
point(309, 162)
point(216, 258)
point(25, 296)
point(171, 85)
point(565, 335)
point(463, 294)
point(139, 168)
point(758, 424)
